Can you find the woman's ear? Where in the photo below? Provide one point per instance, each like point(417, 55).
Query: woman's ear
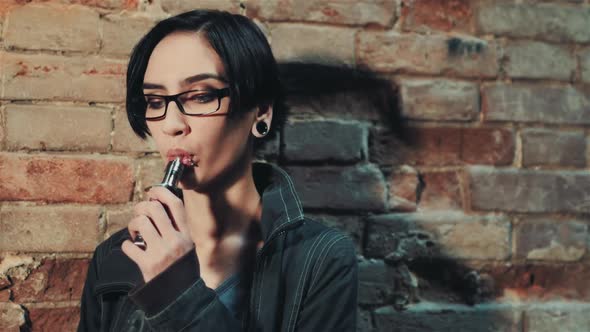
point(262, 121)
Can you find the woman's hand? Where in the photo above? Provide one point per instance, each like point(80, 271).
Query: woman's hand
point(166, 239)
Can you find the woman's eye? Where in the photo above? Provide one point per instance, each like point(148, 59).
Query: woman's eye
point(155, 103)
point(201, 98)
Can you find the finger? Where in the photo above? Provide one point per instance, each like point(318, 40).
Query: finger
point(132, 251)
point(143, 225)
point(157, 214)
point(174, 204)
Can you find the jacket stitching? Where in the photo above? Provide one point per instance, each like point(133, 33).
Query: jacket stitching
point(321, 264)
point(291, 188)
point(284, 203)
point(260, 290)
point(299, 291)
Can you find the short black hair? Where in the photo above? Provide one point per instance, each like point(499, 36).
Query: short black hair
point(249, 64)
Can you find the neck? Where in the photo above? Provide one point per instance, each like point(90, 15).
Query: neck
point(215, 216)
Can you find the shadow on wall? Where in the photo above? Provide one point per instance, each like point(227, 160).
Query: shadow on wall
point(411, 267)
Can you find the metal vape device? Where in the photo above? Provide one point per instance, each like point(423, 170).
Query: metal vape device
point(172, 175)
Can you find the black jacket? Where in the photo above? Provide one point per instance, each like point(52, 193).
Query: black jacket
point(304, 279)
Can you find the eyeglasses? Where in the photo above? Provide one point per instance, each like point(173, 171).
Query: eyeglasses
point(192, 102)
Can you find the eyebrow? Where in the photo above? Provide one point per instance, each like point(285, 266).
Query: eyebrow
point(188, 80)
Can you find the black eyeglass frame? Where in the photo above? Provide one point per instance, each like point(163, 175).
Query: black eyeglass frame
point(220, 94)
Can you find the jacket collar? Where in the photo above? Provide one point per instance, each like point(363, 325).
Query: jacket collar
point(281, 208)
point(280, 204)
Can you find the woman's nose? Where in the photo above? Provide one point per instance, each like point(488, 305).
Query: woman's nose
point(175, 123)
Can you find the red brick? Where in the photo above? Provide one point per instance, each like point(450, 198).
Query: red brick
point(441, 191)
point(403, 189)
point(65, 179)
point(49, 228)
point(438, 99)
point(425, 146)
point(540, 281)
point(54, 319)
point(53, 77)
point(392, 52)
point(52, 27)
point(425, 190)
point(348, 12)
point(109, 4)
point(425, 15)
point(490, 146)
point(54, 280)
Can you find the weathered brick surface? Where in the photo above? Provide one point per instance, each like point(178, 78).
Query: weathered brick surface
point(553, 22)
point(540, 282)
point(376, 282)
point(350, 188)
point(325, 141)
point(548, 147)
point(535, 103)
point(12, 317)
point(556, 316)
point(585, 65)
point(490, 146)
point(526, 59)
point(122, 31)
point(349, 12)
point(551, 240)
point(118, 218)
point(427, 99)
point(298, 42)
point(149, 172)
point(428, 190)
point(443, 146)
point(430, 54)
point(451, 234)
point(36, 76)
point(54, 319)
point(125, 139)
point(436, 317)
point(64, 179)
point(529, 191)
point(52, 27)
point(179, 6)
point(43, 127)
point(53, 280)
point(106, 4)
point(48, 228)
point(449, 15)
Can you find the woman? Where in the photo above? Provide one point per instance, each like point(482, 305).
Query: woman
point(236, 253)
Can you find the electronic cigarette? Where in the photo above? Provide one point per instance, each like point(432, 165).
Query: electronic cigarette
point(172, 175)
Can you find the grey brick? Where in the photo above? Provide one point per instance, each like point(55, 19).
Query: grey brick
point(548, 147)
point(528, 59)
point(529, 190)
point(428, 316)
point(325, 141)
point(533, 103)
point(558, 316)
point(551, 22)
point(360, 187)
point(551, 240)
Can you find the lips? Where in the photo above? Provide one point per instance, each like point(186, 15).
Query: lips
point(187, 158)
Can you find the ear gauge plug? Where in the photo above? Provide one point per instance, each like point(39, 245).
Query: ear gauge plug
point(172, 175)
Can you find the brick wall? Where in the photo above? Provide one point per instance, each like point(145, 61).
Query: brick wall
point(479, 222)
